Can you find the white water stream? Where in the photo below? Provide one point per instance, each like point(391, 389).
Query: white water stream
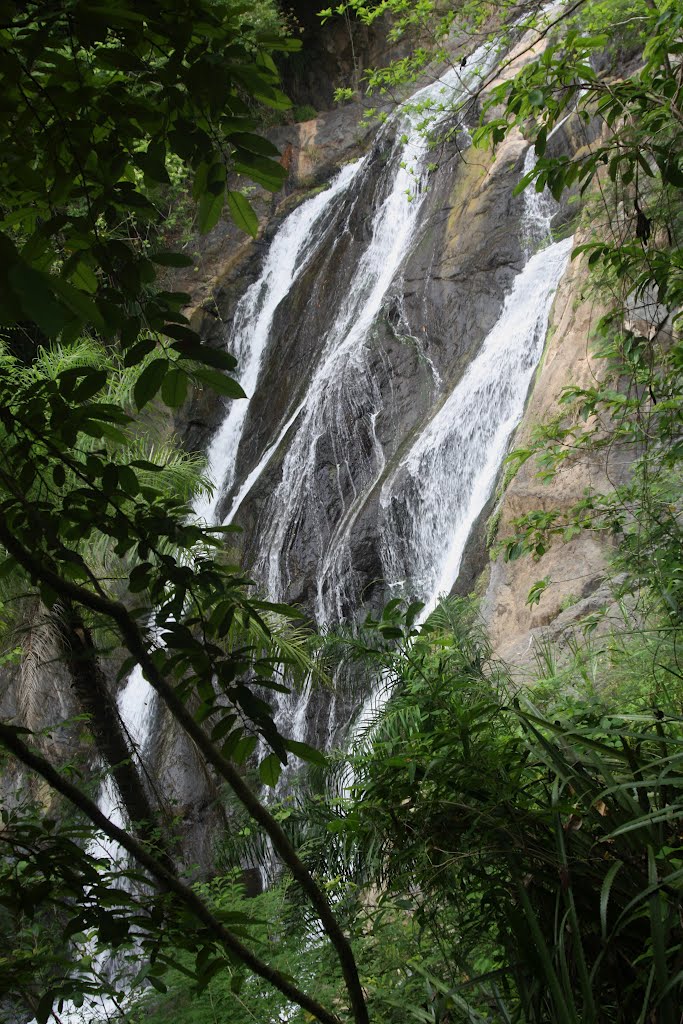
point(290, 252)
point(342, 400)
point(433, 498)
point(135, 705)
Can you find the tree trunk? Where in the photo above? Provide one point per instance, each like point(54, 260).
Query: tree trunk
point(96, 700)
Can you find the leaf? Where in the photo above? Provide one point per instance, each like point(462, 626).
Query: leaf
point(604, 894)
point(174, 388)
point(79, 303)
point(149, 382)
point(37, 300)
point(171, 259)
point(44, 1007)
point(254, 144)
point(391, 632)
point(413, 611)
point(199, 353)
point(261, 170)
point(219, 382)
point(9, 565)
point(534, 595)
point(210, 208)
point(672, 173)
point(269, 770)
point(137, 353)
point(92, 382)
point(83, 278)
point(128, 481)
point(280, 609)
point(274, 98)
point(222, 728)
point(242, 213)
point(244, 748)
point(305, 752)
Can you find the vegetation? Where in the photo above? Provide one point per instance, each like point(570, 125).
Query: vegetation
point(485, 855)
point(92, 96)
point(502, 856)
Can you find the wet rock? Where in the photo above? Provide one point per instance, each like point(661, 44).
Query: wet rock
point(578, 566)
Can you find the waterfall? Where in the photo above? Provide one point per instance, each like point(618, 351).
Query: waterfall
point(333, 459)
point(135, 706)
point(288, 255)
point(432, 500)
point(292, 248)
point(434, 496)
point(333, 456)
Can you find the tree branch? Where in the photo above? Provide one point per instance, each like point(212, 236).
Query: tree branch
point(10, 739)
point(133, 640)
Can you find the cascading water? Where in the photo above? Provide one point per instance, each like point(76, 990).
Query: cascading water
point(333, 457)
point(290, 251)
point(135, 707)
point(342, 390)
point(343, 400)
point(434, 496)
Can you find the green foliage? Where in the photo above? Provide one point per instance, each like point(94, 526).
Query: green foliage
point(305, 112)
point(61, 908)
point(541, 851)
point(231, 993)
point(98, 105)
point(634, 410)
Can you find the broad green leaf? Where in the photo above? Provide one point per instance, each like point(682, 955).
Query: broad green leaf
point(244, 748)
point(92, 382)
point(242, 213)
point(261, 170)
point(199, 353)
point(254, 144)
point(210, 208)
point(83, 278)
point(174, 388)
point(128, 480)
point(219, 382)
point(149, 382)
point(269, 770)
point(305, 752)
point(37, 300)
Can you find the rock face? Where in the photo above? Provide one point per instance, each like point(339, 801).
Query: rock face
point(407, 275)
point(576, 568)
point(447, 295)
point(380, 326)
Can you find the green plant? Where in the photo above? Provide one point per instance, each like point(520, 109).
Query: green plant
point(304, 112)
point(548, 843)
point(91, 97)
